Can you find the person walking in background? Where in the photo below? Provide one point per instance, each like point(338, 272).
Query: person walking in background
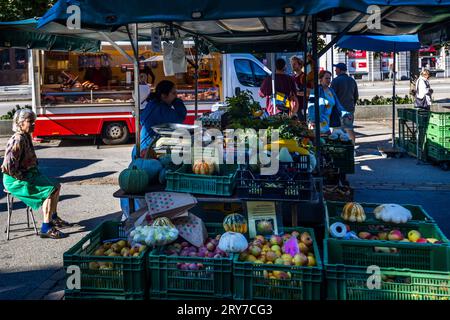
point(284, 88)
point(347, 91)
point(423, 91)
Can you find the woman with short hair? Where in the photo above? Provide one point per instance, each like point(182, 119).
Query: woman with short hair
point(423, 90)
point(23, 180)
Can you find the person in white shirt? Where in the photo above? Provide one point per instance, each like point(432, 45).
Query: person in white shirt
point(423, 90)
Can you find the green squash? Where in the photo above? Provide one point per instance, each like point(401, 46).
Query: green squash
point(133, 180)
point(151, 166)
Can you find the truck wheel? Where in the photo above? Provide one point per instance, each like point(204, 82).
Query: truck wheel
point(115, 133)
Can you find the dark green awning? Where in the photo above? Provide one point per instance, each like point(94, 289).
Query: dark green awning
point(25, 35)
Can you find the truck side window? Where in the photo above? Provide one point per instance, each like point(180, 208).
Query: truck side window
point(244, 72)
point(259, 74)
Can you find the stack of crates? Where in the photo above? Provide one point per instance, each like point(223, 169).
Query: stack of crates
point(357, 269)
point(410, 123)
point(438, 137)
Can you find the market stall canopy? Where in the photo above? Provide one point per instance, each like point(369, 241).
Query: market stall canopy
point(380, 43)
point(263, 25)
point(24, 34)
point(436, 35)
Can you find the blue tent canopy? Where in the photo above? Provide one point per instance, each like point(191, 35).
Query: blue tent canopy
point(254, 25)
point(380, 43)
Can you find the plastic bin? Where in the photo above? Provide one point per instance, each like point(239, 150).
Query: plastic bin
point(440, 119)
point(126, 280)
point(304, 284)
point(183, 180)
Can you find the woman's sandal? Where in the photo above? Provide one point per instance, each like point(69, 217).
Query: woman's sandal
point(53, 233)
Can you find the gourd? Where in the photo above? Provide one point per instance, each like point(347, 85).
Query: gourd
point(233, 242)
point(202, 167)
point(163, 222)
point(235, 222)
point(133, 180)
point(392, 213)
point(151, 166)
point(353, 212)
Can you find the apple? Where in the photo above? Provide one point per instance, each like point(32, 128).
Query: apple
point(264, 227)
point(276, 240)
point(300, 259)
point(421, 240)
point(395, 235)
point(255, 250)
point(364, 235)
point(210, 246)
point(250, 258)
point(295, 234)
point(303, 248)
point(271, 256)
point(306, 239)
point(261, 238)
point(383, 235)
point(374, 238)
point(279, 261)
point(311, 261)
point(275, 248)
point(286, 257)
point(414, 235)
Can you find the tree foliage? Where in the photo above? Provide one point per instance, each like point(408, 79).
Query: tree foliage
point(11, 10)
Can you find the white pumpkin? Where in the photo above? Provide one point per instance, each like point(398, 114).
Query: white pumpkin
point(233, 242)
point(392, 213)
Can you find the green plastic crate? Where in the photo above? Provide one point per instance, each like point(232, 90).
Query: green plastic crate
point(437, 153)
point(349, 282)
point(168, 282)
point(183, 180)
point(443, 141)
point(440, 119)
point(423, 117)
point(334, 209)
point(439, 131)
point(305, 282)
point(342, 155)
point(127, 280)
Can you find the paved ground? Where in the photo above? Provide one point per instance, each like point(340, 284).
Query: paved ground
point(30, 267)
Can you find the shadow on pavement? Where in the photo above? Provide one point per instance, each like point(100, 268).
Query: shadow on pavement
point(20, 205)
point(86, 177)
point(18, 285)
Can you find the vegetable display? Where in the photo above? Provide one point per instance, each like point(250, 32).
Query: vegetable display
point(353, 212)
point(392, 213)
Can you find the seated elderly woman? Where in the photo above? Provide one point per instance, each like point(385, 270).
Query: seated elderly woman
point(22, 178)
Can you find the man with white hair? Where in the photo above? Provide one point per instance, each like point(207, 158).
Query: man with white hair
point(23, 180)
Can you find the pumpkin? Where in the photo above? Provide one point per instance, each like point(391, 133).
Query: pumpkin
point(233, 242)
point(202, 167)
point(163, 222)
point(353, 212)
point(392, 213)
point(133, 180)
point(151, 166)
point(235, 222)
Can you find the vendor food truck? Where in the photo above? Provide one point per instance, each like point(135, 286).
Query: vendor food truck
point(91, 94)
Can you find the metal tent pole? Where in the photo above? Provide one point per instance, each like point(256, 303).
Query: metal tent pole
point(393, 101)
point(316, 90)
point(137, 100)
point(274, 70)
point(196, 77)
point(305, 76)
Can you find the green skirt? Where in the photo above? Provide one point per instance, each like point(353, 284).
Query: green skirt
point(34, 191)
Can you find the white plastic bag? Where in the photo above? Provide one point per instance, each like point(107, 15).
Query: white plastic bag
point(174, 57)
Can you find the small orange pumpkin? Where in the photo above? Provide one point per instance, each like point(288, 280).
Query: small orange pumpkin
point(203, 168)
point(353, 212)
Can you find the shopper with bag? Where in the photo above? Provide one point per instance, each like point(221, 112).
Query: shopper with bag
point(331, 109)
point(285, 91)
point(423, 91)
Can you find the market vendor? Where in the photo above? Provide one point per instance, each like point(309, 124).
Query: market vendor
point(163, 107)
point(23, 180)
point(330, 108)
